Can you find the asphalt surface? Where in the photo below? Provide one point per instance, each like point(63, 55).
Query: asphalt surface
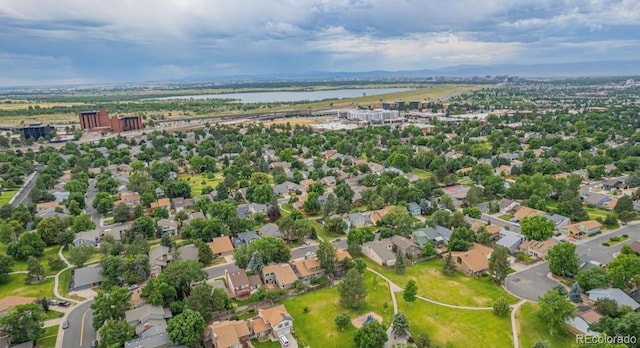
point(23, 196)
point(301, 252)
point(80, 332)
point(499, 222)
point(533, 282)
point(91, 195)
point(218, 271)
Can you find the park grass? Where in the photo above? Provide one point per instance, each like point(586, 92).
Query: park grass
point(21, 265)
point(322, 232)
point(317, 328)
point(200, 181)
point(458, 289)
point(48, 339)
point(458, 327)
point(531, 329)
point(6, 196)
point(17, 286)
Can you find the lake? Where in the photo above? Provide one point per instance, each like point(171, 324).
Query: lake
point(284, 96)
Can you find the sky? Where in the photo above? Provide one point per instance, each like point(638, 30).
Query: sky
point(44, 42)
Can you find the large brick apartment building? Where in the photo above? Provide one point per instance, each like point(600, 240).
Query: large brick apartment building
point(98, 120)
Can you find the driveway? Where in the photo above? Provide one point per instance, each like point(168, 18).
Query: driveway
point(292, 342)
point(301, 252)
point(80, 332)
point(218, 271)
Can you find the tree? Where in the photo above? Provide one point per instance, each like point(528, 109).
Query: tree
point(121, 213)
point(35, 271)
point(260, 193)
point(271, 249)
point(461, 239)
point(626, 326)
point(23, 324)
point(6, 267)
point(205, 255)
point(81, 254)
point(626, 216)
point(624, 271)
point(112, 268)
point(256, 264)
point(422, 341)
point(399, 266)
point(186, 328)
point(537, 228)
point(608, 307)
point(501, 307)
point(352, 290)
point(181, 274)
point(359, 236)
point(115, 332)
point(575, 295)
point(136, 269)
point(327, 257)
point(158, 293)
point(449, 267)
point(554, 310)
point(312, 204)
point(592, 278)
point(400, 326)
point(178, 188)
point(342, 321)
point(110, 305)
point(82, 223)
point(563, 260)
point(330, 206)
point(429, 249)
point(143, 225)
point(625, 203)
point(335, 225)
point(410, 292)
point(49, 228)
point(499, 263)
point(65, 237)
point(205, 300)
point(371, 335)
point(29, 244)
point(541, 344)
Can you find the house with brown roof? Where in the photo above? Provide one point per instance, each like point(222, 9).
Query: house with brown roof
point(180, 203)
point(340, 256)
point(229, 334)
point(522, 212)
point(221, 246)
point(635, 246)
point(379, 214)
point(474, 261)
point(40, 207)
point(539, 249)
point(161, 203)
point(274, 321)
point(240, 284)
point(167, 226)
point(581, 229)
point(131, 199)
point(280, 276)
point(308, 269)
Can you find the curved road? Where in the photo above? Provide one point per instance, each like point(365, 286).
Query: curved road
point(80, 332)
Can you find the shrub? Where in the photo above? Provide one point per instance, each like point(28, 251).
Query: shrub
point(606, 244)
point(614, 239)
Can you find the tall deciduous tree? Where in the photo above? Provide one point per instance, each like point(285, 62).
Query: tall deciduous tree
point(499, 263)
point(186, 328)
point(110, 305)
point(115, 332)
point(537, 227)
point(81, 254)
point(205, 300)
point(592, 278)
point(563, 260)
point(35, 271)
point(352, 290)
point(624, 271)
point(327, 257)
point(23, 324)
point(342, 321)
point(371, 335)
point(48, 228)
point(6, 267)
point(554, 310)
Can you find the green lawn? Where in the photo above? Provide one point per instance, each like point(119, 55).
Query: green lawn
point(198, 182)
point(322, 232)
point(17, 286)
point(531, 329)
point(612, 242)
point(456, 327)
point(22, 265)
point(458, 289)
point(6, 196)
point(506, 217)
point(317, 328)
point(51, 314)
point(48, 339)
point(595, 213)
point(423, 174)
point(265, 344)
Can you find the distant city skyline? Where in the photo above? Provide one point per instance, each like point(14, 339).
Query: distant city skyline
point(45, 42)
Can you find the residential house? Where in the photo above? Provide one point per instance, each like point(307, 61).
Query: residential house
point(635, 246)
point(409, 249)
point(502, 170)
point(287, 188)
point(241, 285)
point(444, 232)
point(180, 203)
point(159, 258)
point(558, 220)
point(91, 237)
point(255, 208)
point(614, 184)
point(51, 212)
point(474, 261)
point(357, 220)
point(280, 276)
point(538, 249)
point(197, 215)
point(61, 195)
point(581, 229)
point(161, 203)
point(229, 334)
point(380, 252)
point(619, 296)
point(274, 321)
point(86, 277)
point(308, 269)
point(167, 226)
point(510, 240)
point(340, 256)
point(155, 337)
point(379, 214)
point(507, 206)
point(422, 236)
point(244, 238)
point(130, 199)
point(221, 246)
point(494, 232)
point(146, 317)
point(414, 209)
point(585, 318)
point(522, 212)
point(270, 230)
point(189, 253)
point(40, 207)
point(458, 192)
point(328, 181)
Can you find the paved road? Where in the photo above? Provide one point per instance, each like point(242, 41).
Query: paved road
point(91, 195)
point(533, 282)
point(23, 196)
point(511, 226)
point(80, 332)
point(340, 244)
point(298, 253)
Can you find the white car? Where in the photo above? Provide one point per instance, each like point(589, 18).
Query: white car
point(283, 339)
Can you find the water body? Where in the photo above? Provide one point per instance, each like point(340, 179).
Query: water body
point(273, 97)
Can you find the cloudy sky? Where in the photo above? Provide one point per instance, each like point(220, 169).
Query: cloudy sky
point(86, 41)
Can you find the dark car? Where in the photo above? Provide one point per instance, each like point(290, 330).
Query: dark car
point(65, 324)
point(64, 304)
point(94, 343)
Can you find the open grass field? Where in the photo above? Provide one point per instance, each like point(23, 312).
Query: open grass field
point(198, 182)
point(458, 328)
point(48, 339)
point(17, 286)
point(6, 196)
point(459, 289)
point(324, 307)
point(531, 329)
point(22, 265)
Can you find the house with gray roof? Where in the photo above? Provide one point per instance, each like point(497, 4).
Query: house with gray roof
point(444, 232)
point(423, 235)
point(380, 252)
point(245, 238)
point(621, 298)
point(414, 209)
point(409, 248)
point(86, 277)
point(357, 220)
point(270, 230)
point(91, 237)
point(188, 252)
point(146, 317)
point(510, 240)
point(155, 337)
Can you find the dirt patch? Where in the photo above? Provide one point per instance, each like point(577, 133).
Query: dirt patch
point(359, 321)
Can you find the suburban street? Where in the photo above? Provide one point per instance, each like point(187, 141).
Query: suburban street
point(80, 332)
point(22, 197)
point(299, 253)
point(499, 222)
point(91, 195)
point(534, 282)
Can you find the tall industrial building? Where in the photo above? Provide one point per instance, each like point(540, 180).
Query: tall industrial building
point(98, 120)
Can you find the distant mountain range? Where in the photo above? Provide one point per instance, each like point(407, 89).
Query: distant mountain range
point(579, 69)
